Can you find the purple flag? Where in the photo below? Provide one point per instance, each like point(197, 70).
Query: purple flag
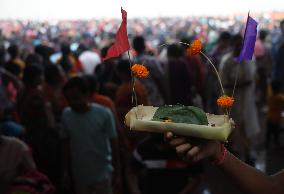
point(249, 40)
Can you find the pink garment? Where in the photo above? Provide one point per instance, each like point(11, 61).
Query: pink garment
point(259, 49)
point(12, 92)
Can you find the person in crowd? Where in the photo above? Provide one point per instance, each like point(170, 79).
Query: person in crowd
point(91, 140)
point(247, 178)
point(275, 108)
point(8, 120)
point(123, 101)
point(15, 59)
point(180, 87)
point(213, 89)
point(67, 61)
point(54, 82)
point(244, 111)
point(11, 85)
point(2, 55)
point(263, 61)
point(44, 52)
point(196, 69)
point(32, 102)
point(16, 160)
point(154, 83)
point(278, 55)
point(96, 97)
point(107, 76)
point(14, 69)
point(36, 116)
point(155, 163)
point(33, 58)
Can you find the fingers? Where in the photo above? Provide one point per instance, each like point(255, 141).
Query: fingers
point(178, 141)
point(168, 136)
point(198, 156)
point(183, 148)
point(193, 153)
point(190, 151)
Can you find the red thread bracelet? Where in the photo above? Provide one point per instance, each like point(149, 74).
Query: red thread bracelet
point(221, 158)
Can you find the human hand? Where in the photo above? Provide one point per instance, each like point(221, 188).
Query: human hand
point(194, 149)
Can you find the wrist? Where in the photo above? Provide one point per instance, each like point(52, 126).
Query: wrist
point(219, 155)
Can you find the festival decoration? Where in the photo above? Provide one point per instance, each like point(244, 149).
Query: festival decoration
point(181, 120)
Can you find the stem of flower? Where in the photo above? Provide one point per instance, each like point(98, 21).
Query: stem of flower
point(236, 79)
point(133, 96)
point(219, 79)
point(207, 58)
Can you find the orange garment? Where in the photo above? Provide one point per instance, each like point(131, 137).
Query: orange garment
point(20, 62)
point(77, 67)
point(123, 99)
point(123, 103)
point(103, 100)
point(275, 108)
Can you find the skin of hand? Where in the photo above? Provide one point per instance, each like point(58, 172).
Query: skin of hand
point(194, 149)
point(248, 179)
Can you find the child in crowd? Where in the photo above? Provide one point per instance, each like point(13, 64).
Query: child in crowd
point(92, 140)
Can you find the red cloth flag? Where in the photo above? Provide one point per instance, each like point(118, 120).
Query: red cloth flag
point(121, 43)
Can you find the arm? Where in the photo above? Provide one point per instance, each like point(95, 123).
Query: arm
point(112, 136)
point(249, 179)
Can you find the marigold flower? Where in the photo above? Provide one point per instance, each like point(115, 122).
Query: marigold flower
point(140, 71)
point(225, 101)
point(194, 48)
point(168, 120)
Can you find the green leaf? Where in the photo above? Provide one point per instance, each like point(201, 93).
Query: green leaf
point(181, 114)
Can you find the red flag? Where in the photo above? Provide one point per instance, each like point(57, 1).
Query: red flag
point(121, 43)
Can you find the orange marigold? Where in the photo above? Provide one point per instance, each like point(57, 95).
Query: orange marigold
point(194, 48)
point(140, 71)
point(168, 120)
point(225, 101)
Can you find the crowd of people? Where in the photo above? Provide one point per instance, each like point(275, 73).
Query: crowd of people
point(62, 107)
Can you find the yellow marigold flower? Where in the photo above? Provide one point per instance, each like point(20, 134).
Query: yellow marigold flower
point(140, 71)
point(194, 48)
point(225, 101)
point(168, 120)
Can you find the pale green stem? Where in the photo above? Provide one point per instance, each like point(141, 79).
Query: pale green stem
point(133, 96)
point(216, 71)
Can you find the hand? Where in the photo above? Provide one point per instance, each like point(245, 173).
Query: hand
point(194, 149)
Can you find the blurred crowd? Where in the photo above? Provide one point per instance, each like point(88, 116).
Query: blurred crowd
point(62, 107)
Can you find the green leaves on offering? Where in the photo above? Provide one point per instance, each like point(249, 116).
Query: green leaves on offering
point(181, 114)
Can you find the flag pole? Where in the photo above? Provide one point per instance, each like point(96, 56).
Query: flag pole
point(239, 63)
